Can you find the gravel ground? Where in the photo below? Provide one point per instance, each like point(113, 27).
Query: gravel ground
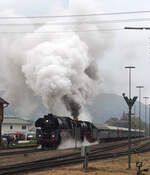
point(20, 158)
point(117, 166)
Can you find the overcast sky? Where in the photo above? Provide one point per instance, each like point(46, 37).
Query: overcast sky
point(39, 7)
point(126, 48)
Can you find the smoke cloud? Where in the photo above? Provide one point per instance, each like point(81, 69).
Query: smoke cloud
point(52, 66)
point(71, 105)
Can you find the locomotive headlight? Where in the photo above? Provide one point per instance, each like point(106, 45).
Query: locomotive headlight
point(46, 121)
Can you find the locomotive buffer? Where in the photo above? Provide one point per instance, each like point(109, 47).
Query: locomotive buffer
point(130, 102)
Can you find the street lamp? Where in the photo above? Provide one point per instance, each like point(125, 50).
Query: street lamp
point(140, 87)
point(129, 117)
point(145, 112)
point(129, 67)
point(137, 28)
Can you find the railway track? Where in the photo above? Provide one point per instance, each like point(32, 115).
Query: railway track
point(73, 158)
point(19, 152)
point(18, 147)
point(26, 150)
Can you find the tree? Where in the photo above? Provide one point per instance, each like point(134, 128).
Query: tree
point(135, 123)
point(112, 121)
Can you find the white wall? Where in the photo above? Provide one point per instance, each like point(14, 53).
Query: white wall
point(16, 128)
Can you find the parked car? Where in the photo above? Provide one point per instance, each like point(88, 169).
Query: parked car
point(4, 138)
point(30, 136)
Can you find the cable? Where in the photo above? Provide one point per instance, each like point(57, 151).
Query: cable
point(78, 31)
point(74, 15)
point(82, 23)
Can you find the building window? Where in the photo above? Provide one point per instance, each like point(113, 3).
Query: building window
point(23, 126)
point(11, 127)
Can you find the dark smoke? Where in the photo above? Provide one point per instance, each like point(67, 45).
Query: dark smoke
point(92, 71)
point(72, 106)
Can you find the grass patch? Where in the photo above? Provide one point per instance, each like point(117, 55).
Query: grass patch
point(30, 143)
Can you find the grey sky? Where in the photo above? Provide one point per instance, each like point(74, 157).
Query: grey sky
point(127, 47)
point(124, 5)
point(39, 7)
point(30, 7)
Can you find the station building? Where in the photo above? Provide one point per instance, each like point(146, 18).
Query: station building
point(3, 104)
point(13, 124)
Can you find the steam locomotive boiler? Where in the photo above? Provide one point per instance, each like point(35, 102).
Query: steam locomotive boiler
point(52, 130)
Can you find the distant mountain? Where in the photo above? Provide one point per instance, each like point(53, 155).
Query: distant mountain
point(103, 107)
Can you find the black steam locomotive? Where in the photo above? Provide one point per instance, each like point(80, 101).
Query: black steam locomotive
point(52, 130)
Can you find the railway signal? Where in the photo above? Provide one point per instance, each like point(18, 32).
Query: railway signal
point(130, 102)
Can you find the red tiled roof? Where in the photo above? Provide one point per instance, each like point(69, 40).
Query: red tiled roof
point(2, 101)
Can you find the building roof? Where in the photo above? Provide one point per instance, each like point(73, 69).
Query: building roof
point(16, 120)
point(107, 127)
point(101, 126)
point(122, 128)
point(2, 101)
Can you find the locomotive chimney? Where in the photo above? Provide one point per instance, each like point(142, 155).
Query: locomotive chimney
point(3, 104)
point(75, 118)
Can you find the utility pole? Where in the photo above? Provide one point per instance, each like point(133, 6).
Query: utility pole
point(134, 122)
point(149, 119)
point(139, 87)
point(130, 103)
point(145, 114)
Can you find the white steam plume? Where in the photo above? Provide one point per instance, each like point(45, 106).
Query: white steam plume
point(59, 68)
point(71, 143)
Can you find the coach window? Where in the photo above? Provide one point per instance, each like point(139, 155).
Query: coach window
point(11, 127)
point(23, 126)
